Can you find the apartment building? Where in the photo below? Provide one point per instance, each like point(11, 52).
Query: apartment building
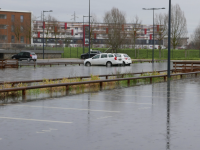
point(77, 33)
point(15, 26)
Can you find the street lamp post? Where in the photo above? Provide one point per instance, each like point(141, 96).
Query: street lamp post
point(83, 28)
point(89, 28)
point(169, 41)
point(153, 29)
point(43, 29)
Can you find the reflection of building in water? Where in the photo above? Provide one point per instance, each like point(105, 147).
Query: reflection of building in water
point(78, 33)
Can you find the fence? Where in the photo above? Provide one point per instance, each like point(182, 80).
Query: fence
point(10, 46)
point(23, 89)
point(72, 52)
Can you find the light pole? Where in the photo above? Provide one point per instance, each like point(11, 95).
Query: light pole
point(83, 28)
point(43, 28)
point(153, 29)
point(169, 41)
point(89, 28)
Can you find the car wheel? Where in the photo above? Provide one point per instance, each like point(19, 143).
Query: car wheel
point(88, 64)
point(108, 64)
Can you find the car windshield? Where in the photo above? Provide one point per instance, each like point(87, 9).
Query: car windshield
point(117, 55)
point(125, 55)
point(32, 53)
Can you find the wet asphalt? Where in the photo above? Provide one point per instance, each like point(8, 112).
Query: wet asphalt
point(147, 117)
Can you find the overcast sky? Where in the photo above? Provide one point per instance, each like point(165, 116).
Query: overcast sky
point(63, 9)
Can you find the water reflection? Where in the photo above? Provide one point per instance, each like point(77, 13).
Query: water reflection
point(168, 116)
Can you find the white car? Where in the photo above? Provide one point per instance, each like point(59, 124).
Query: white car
point(107, 59)
point(126, 60)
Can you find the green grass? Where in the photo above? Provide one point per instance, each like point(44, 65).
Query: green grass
point(75, 52)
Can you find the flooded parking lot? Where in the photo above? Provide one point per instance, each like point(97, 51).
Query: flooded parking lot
point(31, 73)
point(147, 117)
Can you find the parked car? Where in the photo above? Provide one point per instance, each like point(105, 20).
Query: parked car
point(92, 53)
point(107, 59)
point(126, 60)
point(25, 56)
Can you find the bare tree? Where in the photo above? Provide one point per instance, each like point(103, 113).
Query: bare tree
point(196, 38)
point(161, 20)
point(55, 28)
point(17, 29)
point(115, 21)
point(93, 25)
point(137, 23)
point(178, 26)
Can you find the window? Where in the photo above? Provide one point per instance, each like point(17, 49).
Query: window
point(21, 28)
point(22, 18)
point(22, 39)
point(2, 26)
point(76, 28)
point(117, 55)
point(96, 57)
point(68, 27)
point(3, 16)
point(110, 55)
point(12, 28)
point(104, 56)
point(12, 38)
point(12, 18)
point(3, 37)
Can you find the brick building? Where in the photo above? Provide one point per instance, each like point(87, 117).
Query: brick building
point(15, 26)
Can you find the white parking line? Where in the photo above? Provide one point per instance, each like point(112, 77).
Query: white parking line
point(34, 120)
point(145, 108)
point(69, 108)
point(104, 117)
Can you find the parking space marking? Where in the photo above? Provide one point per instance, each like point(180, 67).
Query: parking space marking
point(45, 131)
point(145, 108)
point(142, 96)
point(70, 108)
point(110, 102)
point(104, 117)
point(34, 120)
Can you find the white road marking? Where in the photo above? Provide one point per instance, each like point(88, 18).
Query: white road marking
point(145, 108)
point(52, 129)
point(104, 117)
point(69, 108)
point(46, 130)
point(40, 132)
point(0, 139)
point(34, 120)
point(109, 102)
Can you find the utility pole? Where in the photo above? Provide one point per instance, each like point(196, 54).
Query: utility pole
point(74, 17)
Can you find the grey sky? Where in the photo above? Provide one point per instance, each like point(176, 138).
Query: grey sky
point(63, 9)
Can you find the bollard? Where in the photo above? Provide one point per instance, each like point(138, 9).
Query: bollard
point(24, 95)
point(106, 77)
point(67, 89)
point(128, 82)
point(150, 80)
point(101, 85)
point(195, 74)
point(165, 78)
point(181, 76)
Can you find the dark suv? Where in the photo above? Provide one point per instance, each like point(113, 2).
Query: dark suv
point(25, 56)
point(92, 53)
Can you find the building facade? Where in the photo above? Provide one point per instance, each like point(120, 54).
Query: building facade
point(76, 34)
point(15, 27)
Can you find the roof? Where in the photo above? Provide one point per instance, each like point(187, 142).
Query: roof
point(4, 10)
